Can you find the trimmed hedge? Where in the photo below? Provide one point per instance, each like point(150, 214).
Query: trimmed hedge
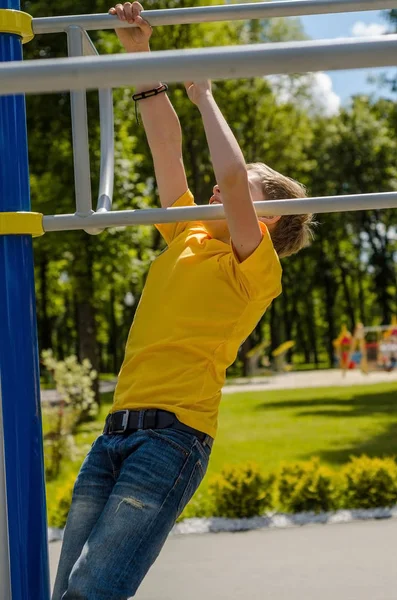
point(308, 487)
point(242, 491)
point(370, 482)
point(58, 512)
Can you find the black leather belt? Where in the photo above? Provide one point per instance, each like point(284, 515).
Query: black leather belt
point(127, 421)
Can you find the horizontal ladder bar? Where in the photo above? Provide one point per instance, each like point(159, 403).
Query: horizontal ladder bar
point(199, 14)
point(230, 62)
point(297, 206)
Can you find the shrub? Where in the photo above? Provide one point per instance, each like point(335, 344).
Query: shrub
point(242, 491)
point(58, 511)
point(288, 479)
point(58, 441)
point(370, 482)
point(73, 382)
point(308, 487)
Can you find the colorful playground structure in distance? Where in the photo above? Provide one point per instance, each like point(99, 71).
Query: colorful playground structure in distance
point(369, 348)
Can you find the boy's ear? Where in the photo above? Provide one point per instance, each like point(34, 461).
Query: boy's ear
point(270, 220)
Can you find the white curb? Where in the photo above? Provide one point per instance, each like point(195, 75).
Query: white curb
point(275, 520)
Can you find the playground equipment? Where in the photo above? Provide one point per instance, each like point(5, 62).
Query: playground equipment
point(255, 356)
point(23, 548)
point(343, 345)
point(280, 356)
point(258, 364)
point(357, 350)
point(388, 346)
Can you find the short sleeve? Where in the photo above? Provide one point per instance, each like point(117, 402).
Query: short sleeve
point(170, 231)
point(260, 273)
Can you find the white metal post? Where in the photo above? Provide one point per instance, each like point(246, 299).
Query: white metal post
point(106, 118)
point(81, 153)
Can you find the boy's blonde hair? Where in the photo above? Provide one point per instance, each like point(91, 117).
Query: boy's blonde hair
point(291, 232)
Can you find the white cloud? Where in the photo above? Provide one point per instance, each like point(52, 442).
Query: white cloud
point(312, 91)
point(324, 96)
point(361, 29)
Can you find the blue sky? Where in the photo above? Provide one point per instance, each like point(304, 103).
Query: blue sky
point(347, 83)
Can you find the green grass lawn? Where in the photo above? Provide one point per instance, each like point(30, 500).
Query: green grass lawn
point(274, 426)
point(332, 423)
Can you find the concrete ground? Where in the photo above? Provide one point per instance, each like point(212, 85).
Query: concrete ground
point(354, 561)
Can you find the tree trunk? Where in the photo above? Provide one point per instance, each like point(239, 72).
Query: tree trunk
point(274, 327)
point(346, 289)
point(382, 260)
point(113, 336)
point(85, 311)
point(67, 342)
point(246, 347)
point(311, 328)
point(330, 291)
point(361, 297)
point(86, 329)
point(45, 323)
point(300, 336)
point(287, 318)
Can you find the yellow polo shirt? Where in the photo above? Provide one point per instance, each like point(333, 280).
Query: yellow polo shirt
point(198, 306)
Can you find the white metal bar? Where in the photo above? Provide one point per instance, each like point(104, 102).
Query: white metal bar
point(229, 62)
point(88, 45)
point(199, 14)
point(81, 152)
point(106, 117)
point(212, 212)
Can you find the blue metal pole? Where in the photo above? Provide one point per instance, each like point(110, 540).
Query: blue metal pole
point(19, 365)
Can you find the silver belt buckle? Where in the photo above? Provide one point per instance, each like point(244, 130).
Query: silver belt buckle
point(124, 423)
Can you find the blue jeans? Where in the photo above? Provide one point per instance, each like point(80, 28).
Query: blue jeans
point(129, 492)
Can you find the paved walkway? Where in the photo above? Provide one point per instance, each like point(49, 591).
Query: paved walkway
point(52, 395)
point(354, 561)
point(293, 380)
point(309, 379)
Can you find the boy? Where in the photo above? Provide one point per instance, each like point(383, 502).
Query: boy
point(202, 299)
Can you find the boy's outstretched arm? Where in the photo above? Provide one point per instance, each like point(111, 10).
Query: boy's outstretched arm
point(230, 172)
point(162, 127)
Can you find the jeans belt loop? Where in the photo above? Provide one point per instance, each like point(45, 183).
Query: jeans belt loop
point(208, 441)
point(141, 418)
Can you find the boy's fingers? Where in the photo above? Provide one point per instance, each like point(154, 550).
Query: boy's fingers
point(128, 12)
point(136, 9)
point(112, 11)
point(120, 12)
point(144, 25)
point(137, 6)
